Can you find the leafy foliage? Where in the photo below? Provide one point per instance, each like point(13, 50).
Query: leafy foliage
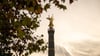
point(16, 28)
point(71, 1)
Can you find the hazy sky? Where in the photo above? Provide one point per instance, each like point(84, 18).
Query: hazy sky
point(82, 18)
point(81, 21)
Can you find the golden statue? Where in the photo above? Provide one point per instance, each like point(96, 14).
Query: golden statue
point(50, 22)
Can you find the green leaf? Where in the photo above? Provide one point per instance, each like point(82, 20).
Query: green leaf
point(17, 24)
point(63, 1)
point(31, 9)
point(40, 42)
point(71, 1)
point(50, 0)
point(47, 6)
point(20, 33)
point(26, 21)
point(38, 9)
point(62, 6)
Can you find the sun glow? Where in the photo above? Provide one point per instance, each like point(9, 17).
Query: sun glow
point(64, 32)
point(78, 36)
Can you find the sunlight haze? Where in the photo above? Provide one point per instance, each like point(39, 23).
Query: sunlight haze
point(78, 25)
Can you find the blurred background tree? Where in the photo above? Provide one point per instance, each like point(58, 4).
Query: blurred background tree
point(17, 27)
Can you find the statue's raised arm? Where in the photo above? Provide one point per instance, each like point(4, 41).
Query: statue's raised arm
point(50, 22)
